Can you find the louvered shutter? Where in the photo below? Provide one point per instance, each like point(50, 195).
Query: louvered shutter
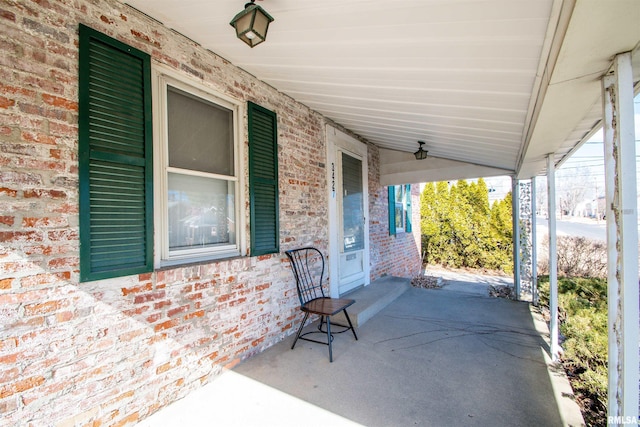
point(407, 195)
point(392, 210)
point(263, 181)
point(115, 158)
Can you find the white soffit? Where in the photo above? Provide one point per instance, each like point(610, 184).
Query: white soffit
point(457, 74)
point(468, 77)
point(597, 31)
point(398, 168)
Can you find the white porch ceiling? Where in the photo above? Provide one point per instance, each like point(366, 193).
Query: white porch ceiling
point(477, 80)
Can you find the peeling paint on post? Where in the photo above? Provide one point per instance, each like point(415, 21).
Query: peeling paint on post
point(622, 238)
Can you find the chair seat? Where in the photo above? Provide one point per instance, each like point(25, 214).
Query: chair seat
point(327, 306)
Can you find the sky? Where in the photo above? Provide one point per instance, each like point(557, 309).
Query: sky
point(586, 165)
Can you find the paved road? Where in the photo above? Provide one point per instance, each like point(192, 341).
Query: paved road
point(592, 230)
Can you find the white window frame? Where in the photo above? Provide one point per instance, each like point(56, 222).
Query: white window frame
point(163, 77)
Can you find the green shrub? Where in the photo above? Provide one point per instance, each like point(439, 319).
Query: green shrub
point(582, 306)
point(460, 229)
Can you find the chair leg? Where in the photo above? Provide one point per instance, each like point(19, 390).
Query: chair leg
point(306, 315)
point(350, 325)
point(329, 339)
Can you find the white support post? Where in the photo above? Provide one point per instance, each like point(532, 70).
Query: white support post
point(622, 239)
point(515, 205)
point(553, 258)
point(534, 247)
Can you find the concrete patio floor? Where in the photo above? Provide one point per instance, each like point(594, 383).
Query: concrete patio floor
point(433, 357)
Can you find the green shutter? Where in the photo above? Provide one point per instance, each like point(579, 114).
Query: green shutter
point(115, 158)
point(263, 181)
point(408, 203)
point(392, 210)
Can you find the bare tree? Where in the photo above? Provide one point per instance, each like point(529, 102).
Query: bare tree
point(572, 187)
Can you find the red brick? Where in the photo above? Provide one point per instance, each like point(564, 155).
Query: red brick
point(63, 235)
point(57, 101)
point(194, 297)
point(145, 276)
point(38, 250)
point(20, 236)
point(42, 193)
point(20, 386)
point(129, 419)
point(263, 286)
point(154, 317)
point(8, 192)
point(38, 137)
point(153, 296)
point(166, 325)
point(178, 310)
point(199, 313)
point(226, 297)
point(5, 284)
point(255, 342)
point(162, 304)
point(10, 16)
point(137, 289)
point(236, 302)
point(141, 36)
point(32, 222)
point(42, 308)
point(64, 262)
point(7, 220)
point(9, 358)
point(6, 102)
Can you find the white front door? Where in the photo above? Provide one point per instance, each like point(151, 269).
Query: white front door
point(348, 213)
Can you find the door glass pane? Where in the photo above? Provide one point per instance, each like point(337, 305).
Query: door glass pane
point(352, 204)
point(200, 134)
point(201, 212)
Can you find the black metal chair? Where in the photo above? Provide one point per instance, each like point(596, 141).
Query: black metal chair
point(308, 268)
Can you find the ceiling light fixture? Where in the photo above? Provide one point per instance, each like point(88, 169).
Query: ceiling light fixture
point(420, 154)
point(251, 24)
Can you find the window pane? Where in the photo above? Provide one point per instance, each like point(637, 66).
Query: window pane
point(201, 212)
point(399, 193)
point(352, 204)
point(200, 134)
point(399, 216)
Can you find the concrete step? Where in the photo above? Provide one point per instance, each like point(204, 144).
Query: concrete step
point(372, 299)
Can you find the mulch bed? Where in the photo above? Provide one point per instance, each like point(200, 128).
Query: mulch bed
point(501, 291)
point(426, 282)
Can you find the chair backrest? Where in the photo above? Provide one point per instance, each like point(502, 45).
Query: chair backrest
point(308, 268)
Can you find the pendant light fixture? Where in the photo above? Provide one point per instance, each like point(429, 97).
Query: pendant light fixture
point(251, 24)
point(420, 154)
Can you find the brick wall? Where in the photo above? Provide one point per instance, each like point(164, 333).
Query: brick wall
point(397, 255)
point(111, 352)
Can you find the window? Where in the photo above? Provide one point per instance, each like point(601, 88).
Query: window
point(399, 209)
point(158, 154)
point(198, 185)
